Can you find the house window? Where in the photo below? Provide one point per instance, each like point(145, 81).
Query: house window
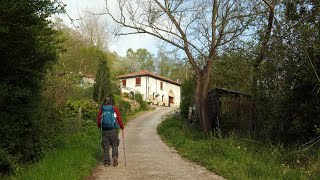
point(161, 85)
point(138, 81)
point(124, 82)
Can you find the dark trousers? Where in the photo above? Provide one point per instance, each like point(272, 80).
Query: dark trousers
point(109, 138)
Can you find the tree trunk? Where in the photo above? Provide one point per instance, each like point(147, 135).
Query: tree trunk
point(201, 99)
point(263, 48)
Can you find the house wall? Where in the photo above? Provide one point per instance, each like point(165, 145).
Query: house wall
point(150, 89)
point(131, 86)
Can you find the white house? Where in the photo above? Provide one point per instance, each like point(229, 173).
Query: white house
point(154, 88)
point(87, 80)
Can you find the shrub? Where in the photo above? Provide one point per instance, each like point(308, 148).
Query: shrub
point(127, 95)
point(89, 109)
point(123, 106)
point(7, 161)
point(139, 99)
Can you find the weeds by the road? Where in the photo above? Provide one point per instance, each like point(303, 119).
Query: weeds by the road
point(236, 158)
point(75, 160)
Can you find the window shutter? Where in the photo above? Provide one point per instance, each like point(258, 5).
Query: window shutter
point(138, 81)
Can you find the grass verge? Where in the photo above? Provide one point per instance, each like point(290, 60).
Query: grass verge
point(236, 158)
point(74, 160)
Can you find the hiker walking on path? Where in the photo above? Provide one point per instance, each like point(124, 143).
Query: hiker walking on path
point(109, 119)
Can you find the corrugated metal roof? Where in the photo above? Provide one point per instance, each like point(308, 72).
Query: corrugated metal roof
point(147, 73)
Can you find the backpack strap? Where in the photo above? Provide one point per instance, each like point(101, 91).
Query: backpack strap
point(101, 119)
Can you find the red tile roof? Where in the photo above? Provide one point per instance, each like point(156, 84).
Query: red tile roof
point(147, 73)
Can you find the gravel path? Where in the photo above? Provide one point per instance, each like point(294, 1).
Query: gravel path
point(148, 157)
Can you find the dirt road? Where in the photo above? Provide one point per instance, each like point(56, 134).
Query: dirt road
point(148, 157)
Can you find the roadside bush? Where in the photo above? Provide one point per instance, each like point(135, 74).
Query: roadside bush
point(80, 93)
point(143, 104)
point(7, 162)
point(79, 114)
point(89, 109)
point(127, 95)
point(123, 106)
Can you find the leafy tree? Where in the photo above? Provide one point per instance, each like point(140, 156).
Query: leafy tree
point(141, 59)
point(264, 39)
point(146, 59)
point(171, 66)
point(300, 102)
point(163, 60)
point(288, 99)
point(27, 48)
point(232, 70)
point(78, 56)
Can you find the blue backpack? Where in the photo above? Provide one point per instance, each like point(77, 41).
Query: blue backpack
point(108, 120)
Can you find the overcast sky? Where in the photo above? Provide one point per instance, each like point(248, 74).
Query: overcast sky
point(119, 44)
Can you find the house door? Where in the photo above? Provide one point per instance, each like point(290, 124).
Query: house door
point(170, 100)
point(171, 97)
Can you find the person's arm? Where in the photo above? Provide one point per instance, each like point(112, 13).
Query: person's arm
point(99, 117)
point(119, 119)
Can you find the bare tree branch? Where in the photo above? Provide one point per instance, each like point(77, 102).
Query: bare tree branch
point(213, 27)
point(183, 35)
point(267, 3)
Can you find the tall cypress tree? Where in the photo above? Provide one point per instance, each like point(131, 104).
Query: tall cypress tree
point(103, 86)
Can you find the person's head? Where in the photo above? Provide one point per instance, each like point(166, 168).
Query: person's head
point(108, 100)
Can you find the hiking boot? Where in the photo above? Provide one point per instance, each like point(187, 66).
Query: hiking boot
point(106, 164)
point(115, 160)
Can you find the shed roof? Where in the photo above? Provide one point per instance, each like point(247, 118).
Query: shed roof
point(147, 73)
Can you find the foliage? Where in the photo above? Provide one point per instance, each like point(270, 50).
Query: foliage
point(140, 59)
point(123, 106)
point(231, 71)
point(28, 45)
point(139, 98)
point(170, 65)
point(89, 109)
point(127, 95)
point(289, 101)
point(103, 86)
point(187, 92)
point(65, 162)
point(164, 66)
point(236, 158)
point(7, 162)
point(80, 93)
point(78, 56)
point(57, 88)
